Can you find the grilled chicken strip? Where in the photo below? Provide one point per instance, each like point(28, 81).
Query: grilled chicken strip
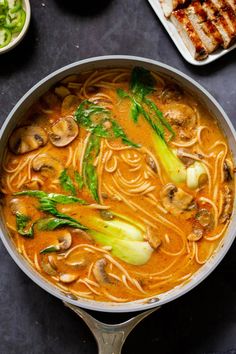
point(170, 5)
point(206, 30)
point(219, 20)
point(189, 34)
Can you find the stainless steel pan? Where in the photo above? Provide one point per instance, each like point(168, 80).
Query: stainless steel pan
point(149, 304)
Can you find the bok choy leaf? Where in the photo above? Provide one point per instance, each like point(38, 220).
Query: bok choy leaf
point(48, 202)
point(67, 183)
point(21, 224)
point(142, 84)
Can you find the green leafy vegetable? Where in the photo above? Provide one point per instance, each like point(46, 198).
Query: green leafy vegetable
point(98, 120)
point(49, 206)
point(79, 180)
point(123, 235)
point(159, 114)
point(142, 83)
point(57, 198)
point(132, 252)
point(48, 201)
point(89, 170)
point(67, 183)
point(21, 224)
point(49, 224)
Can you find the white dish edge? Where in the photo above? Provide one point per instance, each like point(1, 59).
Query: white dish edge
point(174, 35)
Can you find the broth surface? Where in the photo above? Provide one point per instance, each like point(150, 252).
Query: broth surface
point(120, 175)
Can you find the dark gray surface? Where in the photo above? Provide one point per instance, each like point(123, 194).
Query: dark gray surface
point(32, 321)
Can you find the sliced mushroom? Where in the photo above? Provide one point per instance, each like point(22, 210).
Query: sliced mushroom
point(196, 234)
point(228, 174)
point(151, 163)
point(70, 78)
point(26, 139)
point(65, 241)
point(181, 115)
point(49, 100)
point(17, 206)
point(47, 165)
point(183, 119)
point(205, 218)
point(68, 278)
point(69, 104)
point(62, 91)
point(227, 206)
point(153, 240)
point(78, 263)
point(175, 200)
point(63, 132)
point(33, 184)
point(48, 267)
point(188, 161)
point(100, 273)
point(52, 261)
point(171, 92)
point(101, 99)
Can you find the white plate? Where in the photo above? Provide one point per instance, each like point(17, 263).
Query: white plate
point(174, 35)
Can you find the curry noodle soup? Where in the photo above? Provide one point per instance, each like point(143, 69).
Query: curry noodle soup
point(117, 185)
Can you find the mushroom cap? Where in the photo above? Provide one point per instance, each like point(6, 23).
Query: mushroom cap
point(175, 200)
point(100, 273)
point(17, 206)
point(48, 267)
point(47, 165)
point(63, 132)
point(69, 104)
point(65, 240)
point(181, 114)
point(68, 277)
point(26, 139)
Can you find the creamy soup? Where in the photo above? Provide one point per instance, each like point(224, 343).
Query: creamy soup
point(117, 185)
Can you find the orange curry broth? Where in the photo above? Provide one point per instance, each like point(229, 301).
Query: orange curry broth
point(141, 133)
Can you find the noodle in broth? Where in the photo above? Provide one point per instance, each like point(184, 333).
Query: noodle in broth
point(90, 155)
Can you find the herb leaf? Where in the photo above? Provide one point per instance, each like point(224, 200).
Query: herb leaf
point(49, 206)
point(21, 223)
point(48, 203)
point(79, 180)
point(89, 170)
point(160, 115)
point(57, 198)
point(49, 224)
point(67, 183)
point(98, 120)
point(142, 82)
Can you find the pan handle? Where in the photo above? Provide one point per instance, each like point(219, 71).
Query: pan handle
point(110, 337)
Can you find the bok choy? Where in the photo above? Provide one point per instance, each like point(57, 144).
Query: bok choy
point(49, 201)
point(125, 236)
point(21, 225)
point(142, 84)
point(97, 120)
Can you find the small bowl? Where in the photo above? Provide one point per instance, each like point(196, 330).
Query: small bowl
point(18, 37)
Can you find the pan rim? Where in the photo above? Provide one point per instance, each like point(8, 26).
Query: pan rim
point(138, 305)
